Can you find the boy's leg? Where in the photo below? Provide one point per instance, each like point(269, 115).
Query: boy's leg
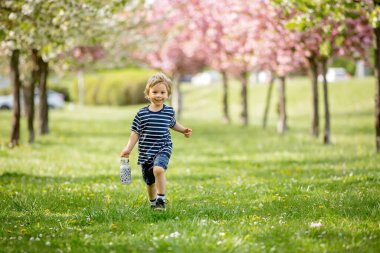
point(147, 174)
point(159, 174)
point(160, 164)
point(152, 192)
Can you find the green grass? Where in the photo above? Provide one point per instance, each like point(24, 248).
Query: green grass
point(231, 188)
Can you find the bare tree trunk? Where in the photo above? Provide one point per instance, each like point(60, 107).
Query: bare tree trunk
point(282, 124)
point(314, 88)
point(326, 135)
point(268, 99)
point(244, 97)
point(43, 106)
point(226, 116)
point(16, 84)
point(176, 99)
point(377, 93)
point(29, 95)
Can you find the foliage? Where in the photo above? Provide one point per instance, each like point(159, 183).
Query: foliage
point(5, 91)
point(330, 27)
point(348, 64)
point(113, 87)
point(54, 26)
point(259, 193)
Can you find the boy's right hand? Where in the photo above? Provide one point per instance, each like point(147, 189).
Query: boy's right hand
point(187, 132)
point(125, 153)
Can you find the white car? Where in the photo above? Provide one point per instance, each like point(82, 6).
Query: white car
point(206, 78)
point(335, 74)
point(55, 100)
point(6, 102)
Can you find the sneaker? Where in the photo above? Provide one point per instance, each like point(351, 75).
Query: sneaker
point(160, 205)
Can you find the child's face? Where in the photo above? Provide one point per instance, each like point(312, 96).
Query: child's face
point(158, 94)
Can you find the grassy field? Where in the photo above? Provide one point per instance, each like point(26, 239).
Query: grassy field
point(231, 188)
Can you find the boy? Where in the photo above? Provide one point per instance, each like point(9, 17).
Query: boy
point(150, 128)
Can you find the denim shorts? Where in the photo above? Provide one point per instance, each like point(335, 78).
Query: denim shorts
point(160, 160)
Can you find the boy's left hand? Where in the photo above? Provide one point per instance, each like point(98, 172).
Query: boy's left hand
point(187, 132)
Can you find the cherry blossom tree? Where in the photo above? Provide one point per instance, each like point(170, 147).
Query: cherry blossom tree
point(236, 31)
point(322, 25)
point(175, 45)
point(47, 28)
point(278, 52)
point(214, 37)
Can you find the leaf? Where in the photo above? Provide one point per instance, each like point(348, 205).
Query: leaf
point(2, 35)
point(339, 41)
point(24, 26)
point(290, 25)
point(325, 48)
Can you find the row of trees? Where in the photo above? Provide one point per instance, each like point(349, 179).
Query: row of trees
point(236, 37)
point(37, 33)
point(180, 37)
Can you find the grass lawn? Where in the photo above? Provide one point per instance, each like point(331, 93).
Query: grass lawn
point(231, 188)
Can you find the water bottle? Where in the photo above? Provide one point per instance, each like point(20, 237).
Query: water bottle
point(125, 171)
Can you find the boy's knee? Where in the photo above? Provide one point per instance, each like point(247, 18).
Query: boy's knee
point(157, 170)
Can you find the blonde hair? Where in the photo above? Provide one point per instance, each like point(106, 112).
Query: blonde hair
point(156, 79)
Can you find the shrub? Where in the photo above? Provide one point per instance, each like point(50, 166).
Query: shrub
point(118, 87)
point(5, 91)
point(61, 89)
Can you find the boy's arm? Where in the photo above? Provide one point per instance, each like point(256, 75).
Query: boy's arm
point(179, 128)
point(131, 143)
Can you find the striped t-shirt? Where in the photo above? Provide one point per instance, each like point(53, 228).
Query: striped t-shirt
point(153, 128)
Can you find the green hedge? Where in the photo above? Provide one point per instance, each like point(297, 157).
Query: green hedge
point(5, 91)
point(117, 87)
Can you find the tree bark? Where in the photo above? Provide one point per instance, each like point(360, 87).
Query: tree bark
point(226, 115)
point(377, 93)
point(16, 84)
point(314, 88)
point(326, 135)
point(244, 97)
point(29, 95)
point(267, 101)
point(43, 106)
point(282, 124)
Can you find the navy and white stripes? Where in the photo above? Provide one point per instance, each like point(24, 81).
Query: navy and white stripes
point(153, 128)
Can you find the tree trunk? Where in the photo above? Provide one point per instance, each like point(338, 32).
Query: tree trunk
point(226, 115)
point(282, 124)
point(326, 135)
point(314, 88)
point(267, 101)
point(176, 99)
point(29, 95)
point(16, 84)
point(43, 106)
point(244, 97)
point(377, 93)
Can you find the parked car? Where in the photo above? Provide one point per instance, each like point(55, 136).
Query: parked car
point(206, 78)
point(335, 74)
point(186, 78)
point(6, 102)
point(55, 100)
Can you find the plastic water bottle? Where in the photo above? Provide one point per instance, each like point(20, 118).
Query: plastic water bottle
point(125, 171)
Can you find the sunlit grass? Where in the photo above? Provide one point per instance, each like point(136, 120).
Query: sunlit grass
point(231, 188)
